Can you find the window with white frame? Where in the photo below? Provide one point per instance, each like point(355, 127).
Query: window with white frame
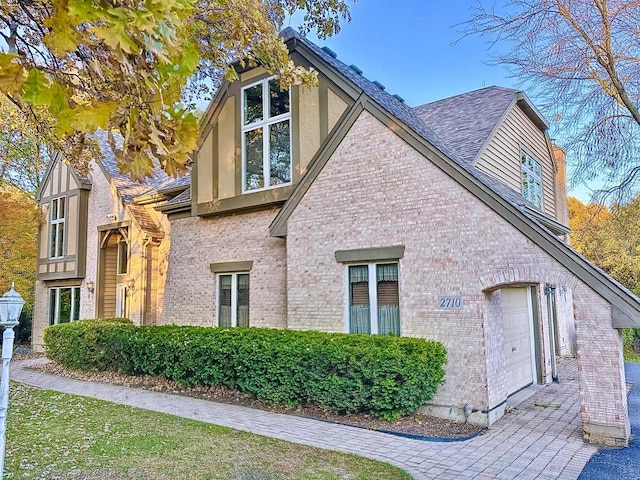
point(531, 179)
point(64, 304)
point(233, 300)
point(266, 136)
point(56, 222)
point(373, 298)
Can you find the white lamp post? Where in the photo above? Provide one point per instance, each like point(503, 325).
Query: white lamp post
point(10, 308)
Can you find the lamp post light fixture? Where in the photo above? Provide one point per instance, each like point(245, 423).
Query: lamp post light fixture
point(10, 309)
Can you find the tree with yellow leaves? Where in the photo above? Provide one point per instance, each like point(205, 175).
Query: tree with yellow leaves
point(18, 232)
point(132, 66)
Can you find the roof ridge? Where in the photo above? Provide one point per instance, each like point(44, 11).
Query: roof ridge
point(467, 94)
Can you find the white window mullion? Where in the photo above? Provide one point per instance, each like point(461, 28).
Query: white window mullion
point(56, 312)
point(265, 133)
point(373, 299)
point(72, 313)
point(234, 300)
point(266, 170)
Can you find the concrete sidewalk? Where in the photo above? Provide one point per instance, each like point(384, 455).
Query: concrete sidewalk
point(541, 439)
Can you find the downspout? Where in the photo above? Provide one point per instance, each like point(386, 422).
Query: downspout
point(143, 309)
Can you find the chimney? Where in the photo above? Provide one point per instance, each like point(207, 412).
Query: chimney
point(562, 213)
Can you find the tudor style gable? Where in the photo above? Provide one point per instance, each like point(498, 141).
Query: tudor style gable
point(257, 139)
point(62, 244)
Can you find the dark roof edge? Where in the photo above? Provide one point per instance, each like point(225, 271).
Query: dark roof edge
point(278, 227)
point(532, 112)
point(174, 207)
point(627, 305)
point(547, 221)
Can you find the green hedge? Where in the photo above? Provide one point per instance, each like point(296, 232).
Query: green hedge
point(383, 375)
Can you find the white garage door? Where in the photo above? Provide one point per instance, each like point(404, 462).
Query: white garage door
point(517, 338)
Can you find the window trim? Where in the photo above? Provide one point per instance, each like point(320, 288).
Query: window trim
point(73, 315)
point(263, 125)
point(536, 177)
point(54, 240)
point(373, 294)
point(234, 297)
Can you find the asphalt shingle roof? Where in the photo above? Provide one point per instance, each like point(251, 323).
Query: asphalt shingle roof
point(467, 120)
point(129, 190)
point(423, 121)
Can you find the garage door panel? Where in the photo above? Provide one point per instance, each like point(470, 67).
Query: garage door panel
point(517, 338)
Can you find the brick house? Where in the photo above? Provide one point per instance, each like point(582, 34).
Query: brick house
point(101, 251)
point(340, 208)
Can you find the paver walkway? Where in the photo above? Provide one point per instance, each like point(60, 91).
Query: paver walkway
point(542, 439)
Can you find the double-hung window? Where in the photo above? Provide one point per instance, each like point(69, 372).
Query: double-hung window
point(64, 304)
point(56, 235)
point(266, 136)
point(233, 300)
point(373, 298)
point(531, 179)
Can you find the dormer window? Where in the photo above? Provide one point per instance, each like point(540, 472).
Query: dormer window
point(266, 136)
point(531, 179)
point(56, 235)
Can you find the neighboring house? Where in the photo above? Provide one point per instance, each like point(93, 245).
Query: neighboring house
point(102, 251)
point(339, 208)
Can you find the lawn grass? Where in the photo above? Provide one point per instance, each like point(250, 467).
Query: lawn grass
point(59, 436)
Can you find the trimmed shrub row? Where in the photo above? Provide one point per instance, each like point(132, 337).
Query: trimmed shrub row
point(383, 375)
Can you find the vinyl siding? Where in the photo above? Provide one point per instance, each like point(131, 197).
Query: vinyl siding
point(501, 158)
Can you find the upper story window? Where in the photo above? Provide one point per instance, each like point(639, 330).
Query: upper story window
point(56, 235)
point(266, 136)
point(531, 179)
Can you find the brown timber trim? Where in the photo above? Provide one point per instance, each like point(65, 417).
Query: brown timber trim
point(114, 226)
point(370, 254)
point(261, 199)
point(71, 282)
point(231, 267)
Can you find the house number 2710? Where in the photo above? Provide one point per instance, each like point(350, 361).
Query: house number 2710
point(450, 301)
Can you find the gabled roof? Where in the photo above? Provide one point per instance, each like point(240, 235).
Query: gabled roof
point(442, 150)
point(177, 203)
point(468, 120)
point(82, 180)
point(129, 190)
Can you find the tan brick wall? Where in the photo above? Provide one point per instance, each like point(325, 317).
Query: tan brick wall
point(601, 368)
point(377, 191)
point(197, 242)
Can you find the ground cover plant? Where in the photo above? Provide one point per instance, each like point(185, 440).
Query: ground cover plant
point(53, 435)
point(384, 376)
point(631, 343)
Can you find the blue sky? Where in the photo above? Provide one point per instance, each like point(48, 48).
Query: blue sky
point(416, 49)
point(409, 46)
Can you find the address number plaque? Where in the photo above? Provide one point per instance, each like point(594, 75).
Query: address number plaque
point(450, 301)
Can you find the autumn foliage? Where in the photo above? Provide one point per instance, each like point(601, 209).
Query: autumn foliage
point(134, 67)
point(18, 249)
point(609, 237)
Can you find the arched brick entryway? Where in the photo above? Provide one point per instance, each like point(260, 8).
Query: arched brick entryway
point(602, 385)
